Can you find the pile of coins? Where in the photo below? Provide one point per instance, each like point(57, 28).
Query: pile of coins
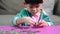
point(8, 32)
point(13, 31)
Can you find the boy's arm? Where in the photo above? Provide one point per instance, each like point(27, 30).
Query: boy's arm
point(17, 18)
point(18, 21)
point(47, 19)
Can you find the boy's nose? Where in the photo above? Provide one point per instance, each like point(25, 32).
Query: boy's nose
point(34, 9)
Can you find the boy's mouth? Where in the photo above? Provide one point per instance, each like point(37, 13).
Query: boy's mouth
point(33, 12)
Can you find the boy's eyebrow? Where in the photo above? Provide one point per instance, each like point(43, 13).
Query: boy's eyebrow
point(34, 4)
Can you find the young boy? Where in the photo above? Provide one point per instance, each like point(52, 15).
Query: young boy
point(32, 15)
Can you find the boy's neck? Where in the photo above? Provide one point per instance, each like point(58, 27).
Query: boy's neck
point(37, 14)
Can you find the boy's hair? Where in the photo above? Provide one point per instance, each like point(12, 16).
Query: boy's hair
point(33, 1)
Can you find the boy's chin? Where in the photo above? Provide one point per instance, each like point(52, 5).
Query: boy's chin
point(33, 13)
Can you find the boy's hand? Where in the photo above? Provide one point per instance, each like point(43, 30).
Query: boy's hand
point(28, 20)
point(42, 23)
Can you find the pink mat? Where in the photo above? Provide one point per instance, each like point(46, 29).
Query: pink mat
point(31, 30)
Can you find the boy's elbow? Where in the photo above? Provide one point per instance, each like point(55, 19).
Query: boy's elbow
point(50, 23)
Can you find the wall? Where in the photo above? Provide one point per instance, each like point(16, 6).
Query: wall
point(57, 8)
point(14, 6)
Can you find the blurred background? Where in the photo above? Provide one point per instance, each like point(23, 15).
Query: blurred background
point(9, 8)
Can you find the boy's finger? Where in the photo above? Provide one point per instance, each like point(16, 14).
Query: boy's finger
point(40, 21)
point(41, 25)
point(31, 23)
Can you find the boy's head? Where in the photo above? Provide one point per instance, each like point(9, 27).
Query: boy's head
point(33, 6)
point(33, 1)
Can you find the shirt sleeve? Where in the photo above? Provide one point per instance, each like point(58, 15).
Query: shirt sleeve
point(17, 16)
point(21, 14)
point(46, 18)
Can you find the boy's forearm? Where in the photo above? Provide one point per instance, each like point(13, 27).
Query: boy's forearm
point(19, 21)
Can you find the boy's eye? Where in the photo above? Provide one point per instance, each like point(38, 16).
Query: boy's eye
point(31, 7)
point(34, 6)
point(37, 6)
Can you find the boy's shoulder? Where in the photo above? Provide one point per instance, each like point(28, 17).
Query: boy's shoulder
point(44, 12)
point(24, 10)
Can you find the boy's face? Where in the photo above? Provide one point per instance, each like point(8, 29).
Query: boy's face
point(33, 8)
